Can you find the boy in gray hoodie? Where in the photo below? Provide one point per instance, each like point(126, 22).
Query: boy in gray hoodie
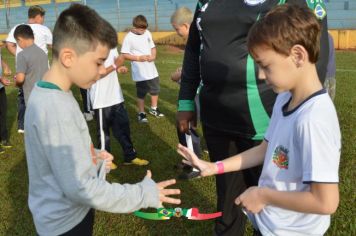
point(65, 171)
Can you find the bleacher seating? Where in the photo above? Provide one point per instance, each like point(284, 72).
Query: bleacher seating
point(341, 13)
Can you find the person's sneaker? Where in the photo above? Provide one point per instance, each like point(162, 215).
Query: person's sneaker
point(137, 161)
point(5, 144)
point(155, 112)
point(88, 116)
point(2, 150)
point(189, 175)
point(20, 131)
point(113, 166)
point(142, 118)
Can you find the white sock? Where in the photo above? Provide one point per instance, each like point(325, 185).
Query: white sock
point(154, 108)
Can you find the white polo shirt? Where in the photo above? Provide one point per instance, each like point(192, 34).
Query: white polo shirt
point(303, 147)
point(43, 37)
point(106, 91)
point(139, 45)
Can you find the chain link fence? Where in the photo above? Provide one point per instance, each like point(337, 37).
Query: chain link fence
point(118, 12)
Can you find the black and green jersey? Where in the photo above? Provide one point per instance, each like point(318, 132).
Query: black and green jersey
point(232, 99)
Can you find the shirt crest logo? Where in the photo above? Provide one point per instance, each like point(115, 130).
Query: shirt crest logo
point(280, 157)
point(254, 2)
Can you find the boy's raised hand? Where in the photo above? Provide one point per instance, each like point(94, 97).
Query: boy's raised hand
point(206, 168)
point(163, 192)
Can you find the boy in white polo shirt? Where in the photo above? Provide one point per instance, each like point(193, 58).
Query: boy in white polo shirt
point(108, 104)
point(139, 48)
point(298, 187)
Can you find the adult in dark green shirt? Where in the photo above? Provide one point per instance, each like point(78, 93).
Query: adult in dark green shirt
point(235, 105)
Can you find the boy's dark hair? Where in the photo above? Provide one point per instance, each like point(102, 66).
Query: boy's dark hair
point(140, 22)
point(24, 31)
point(81, 28)
point(35, 10)
point(285, 26)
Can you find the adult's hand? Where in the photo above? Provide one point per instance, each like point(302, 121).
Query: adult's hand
point(183, 120)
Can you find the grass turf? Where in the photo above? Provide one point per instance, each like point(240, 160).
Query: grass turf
point(156, 142)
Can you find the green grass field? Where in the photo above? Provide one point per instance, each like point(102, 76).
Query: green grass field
point(157, 142)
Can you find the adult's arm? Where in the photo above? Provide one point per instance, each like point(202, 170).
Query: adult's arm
point(190, 78)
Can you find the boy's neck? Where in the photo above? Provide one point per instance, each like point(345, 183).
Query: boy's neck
point(58, 76)
point(28, 43)
point(307, 85)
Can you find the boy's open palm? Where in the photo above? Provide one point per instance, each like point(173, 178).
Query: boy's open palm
point(163, 192)
point(206, 168)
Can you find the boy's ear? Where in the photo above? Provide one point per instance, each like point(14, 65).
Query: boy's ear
point(67, 57)
point(299, 55)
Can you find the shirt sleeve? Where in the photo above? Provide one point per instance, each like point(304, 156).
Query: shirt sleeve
point(10, 37)
point(320, 151)
point(152, 43)
point(70, 160)
point(126, 45)
point(49, 37)
point(21, 65)
point(190, 78)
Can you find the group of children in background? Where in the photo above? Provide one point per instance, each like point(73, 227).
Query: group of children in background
point(64, 168)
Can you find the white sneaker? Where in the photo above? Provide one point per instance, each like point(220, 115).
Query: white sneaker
point(88, 116)
point(20, 131)
point(156, 112)
point(142, 118)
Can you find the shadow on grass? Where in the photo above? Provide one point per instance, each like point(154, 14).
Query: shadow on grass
point(20, 220)
point(162, 156)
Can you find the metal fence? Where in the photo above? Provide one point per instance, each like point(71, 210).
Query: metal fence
point(118, 12)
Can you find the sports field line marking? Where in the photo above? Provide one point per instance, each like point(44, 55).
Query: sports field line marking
point(346, 70)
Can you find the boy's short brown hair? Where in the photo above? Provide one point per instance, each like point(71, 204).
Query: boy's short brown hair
point(140, 22)
point(81, 28)
point(35, 10)
point(285, 26)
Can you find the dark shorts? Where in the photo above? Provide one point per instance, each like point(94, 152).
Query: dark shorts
point(147, 86)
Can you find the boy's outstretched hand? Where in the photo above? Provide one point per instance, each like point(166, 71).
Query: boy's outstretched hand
point(206, 168)
point(163, 192)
